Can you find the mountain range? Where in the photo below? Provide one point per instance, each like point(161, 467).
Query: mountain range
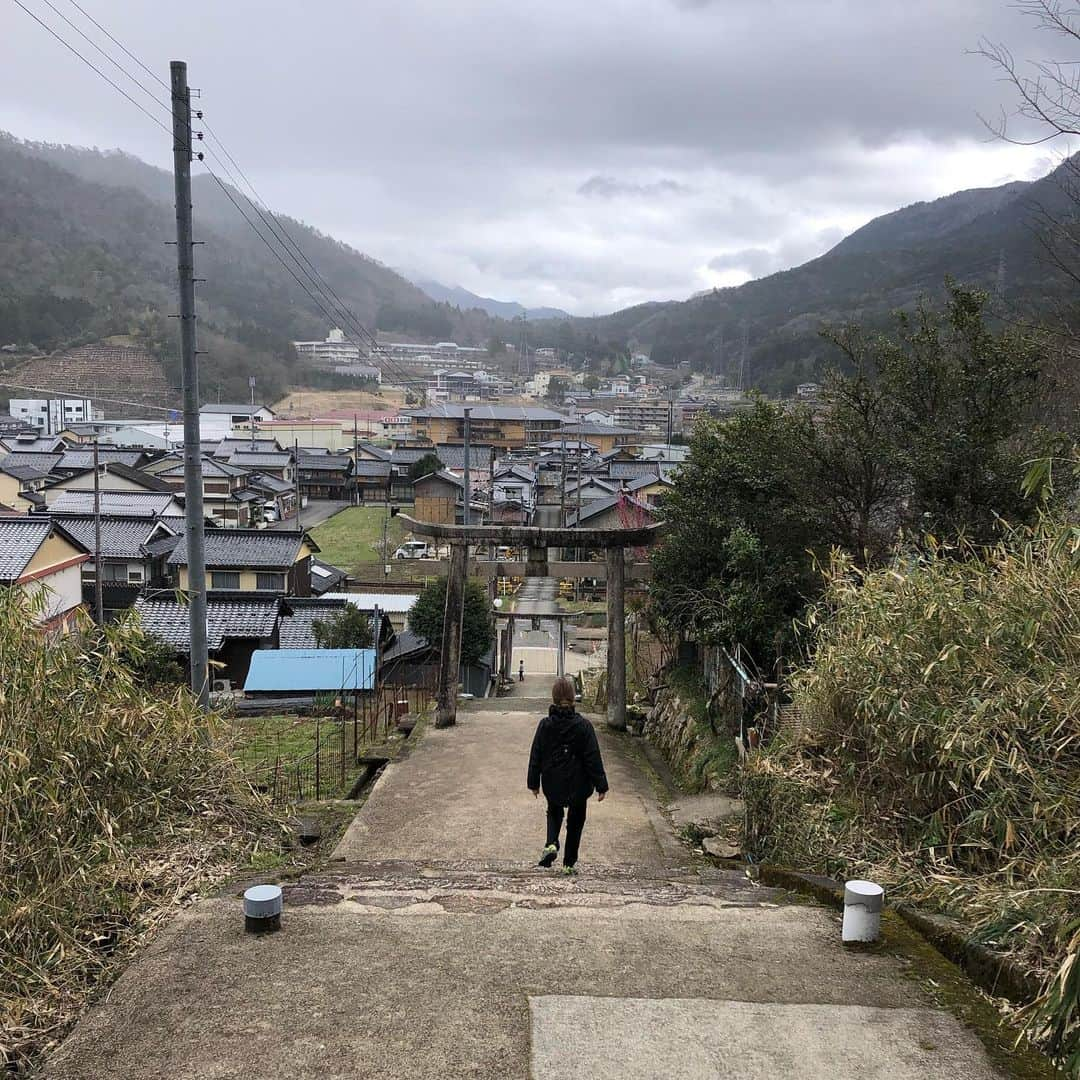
point(992, 238)
point(465, 300)
point(83, 258)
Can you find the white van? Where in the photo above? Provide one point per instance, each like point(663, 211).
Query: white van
point(412, 549)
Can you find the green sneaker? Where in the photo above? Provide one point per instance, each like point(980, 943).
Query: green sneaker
point(547, 856)
point(570, 871)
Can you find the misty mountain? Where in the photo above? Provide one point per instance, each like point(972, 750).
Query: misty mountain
point(989, 237)
point(83, 256)
point(500, 309)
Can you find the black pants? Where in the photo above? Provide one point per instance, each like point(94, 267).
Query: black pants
point(575, 822)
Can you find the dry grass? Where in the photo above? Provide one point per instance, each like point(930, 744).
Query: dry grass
point(943, 752)
point(116, 806)
point(301, 402)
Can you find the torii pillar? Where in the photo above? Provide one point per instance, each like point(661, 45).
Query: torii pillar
point(450, 654)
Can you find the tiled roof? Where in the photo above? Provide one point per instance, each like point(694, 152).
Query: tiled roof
point(263, 482)
point(77, 460)
point(443, 475)
point(485, 412)
point(245, 459)
point(167, 620)
point(379, 452)
point(323, 462)
point(601, 505)
point(42, 463)
point(33, 443)
point(123, 503)
point(298, 628)
point(210, 467)
point(631, 470)
point(136, 476)
point(19, 540)
point(121, 537)
point(405, 644)
point(588, 427)
point(372, 468)
point(229, 446)
point(242, 548)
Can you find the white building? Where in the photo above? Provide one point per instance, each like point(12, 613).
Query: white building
point(51, 415)
point(334, 351)
point(218, 421)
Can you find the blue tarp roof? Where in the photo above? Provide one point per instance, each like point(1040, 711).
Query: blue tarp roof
point(309, 670)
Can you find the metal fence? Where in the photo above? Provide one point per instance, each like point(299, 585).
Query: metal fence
point(287, 772)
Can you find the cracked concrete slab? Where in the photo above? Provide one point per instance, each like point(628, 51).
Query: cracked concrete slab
point(691, 1038)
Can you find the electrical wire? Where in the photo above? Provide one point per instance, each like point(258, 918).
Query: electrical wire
point(93, 67)
point(116, 63)
point(120, 46)
point(282, 237)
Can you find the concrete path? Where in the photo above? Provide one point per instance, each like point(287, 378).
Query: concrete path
point(434, 948)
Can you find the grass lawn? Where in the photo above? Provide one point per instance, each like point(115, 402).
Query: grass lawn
point(349, 538)
point(261, 739)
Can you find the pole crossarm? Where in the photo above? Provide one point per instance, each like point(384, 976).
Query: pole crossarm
point(537, 536)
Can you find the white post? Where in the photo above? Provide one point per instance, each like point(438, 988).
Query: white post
point(863, 901)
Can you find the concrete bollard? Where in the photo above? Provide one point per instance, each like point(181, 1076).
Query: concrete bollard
point(262, 909)
point(863, 901)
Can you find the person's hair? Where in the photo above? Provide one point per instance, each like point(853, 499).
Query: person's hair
point(562, 691)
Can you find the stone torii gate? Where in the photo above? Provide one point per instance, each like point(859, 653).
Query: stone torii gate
point(536, 539)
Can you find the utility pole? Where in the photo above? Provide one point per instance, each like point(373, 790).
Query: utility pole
point(193, 479)
point(99, 606)
point(356, 460)
point(251, 418)
point(562, 483)
point(468, 484)
point(296, 467)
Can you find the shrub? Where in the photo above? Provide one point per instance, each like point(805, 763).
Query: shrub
point(943, 749)
point(117, 802)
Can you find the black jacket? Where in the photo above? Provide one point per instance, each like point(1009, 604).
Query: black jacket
point(563, 728)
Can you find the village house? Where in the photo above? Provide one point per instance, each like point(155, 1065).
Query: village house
point(40, 557)
point(250, 561)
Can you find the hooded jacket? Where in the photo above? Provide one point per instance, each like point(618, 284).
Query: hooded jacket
point(561, 729)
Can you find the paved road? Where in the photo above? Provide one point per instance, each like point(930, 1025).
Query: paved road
point(315, 513)
point(434, 948)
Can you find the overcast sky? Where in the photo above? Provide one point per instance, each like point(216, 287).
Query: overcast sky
point(587, 154)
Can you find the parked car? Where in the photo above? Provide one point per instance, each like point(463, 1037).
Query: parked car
point(412, 549)
point(269, 514)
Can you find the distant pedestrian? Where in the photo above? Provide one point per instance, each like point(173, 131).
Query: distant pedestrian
point(565, 760)
point(521, 671)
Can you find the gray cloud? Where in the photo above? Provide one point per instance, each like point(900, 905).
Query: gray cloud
point(716, 139)
point(607, 187)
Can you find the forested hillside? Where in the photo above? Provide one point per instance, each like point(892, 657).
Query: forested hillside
point(83, 257)
point(992, 238)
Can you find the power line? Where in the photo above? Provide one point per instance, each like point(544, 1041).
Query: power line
point(93, 67)
point(82, 393)
point(120, 46)
point(114, 62)
point(283, 234)
point(309, 271)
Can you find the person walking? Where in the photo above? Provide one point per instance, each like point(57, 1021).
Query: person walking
point(521, 671)
point(565, 761)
